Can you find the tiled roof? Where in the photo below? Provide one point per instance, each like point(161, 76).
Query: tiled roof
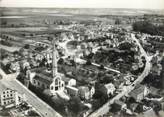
point(45, 76)
point(118, 102)
point(139, 89)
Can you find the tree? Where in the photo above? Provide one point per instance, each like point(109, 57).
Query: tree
point(125, 46)
point(7, 67)
point(4, 22)
point(75, 105)
point(117, 21)
point(101, 67)
point(148, 27)
point(27, 46)
point(88, 62)
point(61, 61)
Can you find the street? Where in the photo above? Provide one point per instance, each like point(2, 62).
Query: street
point(44, 109)
point(105, 108)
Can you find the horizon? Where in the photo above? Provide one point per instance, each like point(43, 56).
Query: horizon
point(84, 4)
point(80, 8)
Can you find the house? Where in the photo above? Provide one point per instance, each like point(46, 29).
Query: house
point(133, 107)
point(86, 92)
point(149, 113)
point(153, 90)
point(69, 81)
point(9, 97)
point(15, 66)
point(108, 89)
point(120, 104)
point(92, 91)
point(139, 92)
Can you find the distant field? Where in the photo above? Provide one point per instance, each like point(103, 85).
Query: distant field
point(40, 16)
point(75, 11)
point(23, 29)
point(10, 49)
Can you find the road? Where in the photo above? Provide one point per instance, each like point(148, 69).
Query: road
point(105, 108)
point(41, 107)
point(63, 45)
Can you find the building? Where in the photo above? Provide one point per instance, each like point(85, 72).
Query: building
point(121, 105)
point(52, 80)
point(139, 92)
point(43, 79)
point(86, 92)
point(69, 81)
point(133, 106)
point(72, 91)
point(9, 97)
point(149, 113)
point(57, 85)
point(108, 89)
point(162, 72)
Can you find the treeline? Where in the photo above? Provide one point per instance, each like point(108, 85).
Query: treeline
point(149, 28)
point(6, 43)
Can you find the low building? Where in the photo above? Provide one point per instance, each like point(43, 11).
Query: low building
point(153, 90)
point(69, 81)
point(72, 91)
point(9, 97)
point(149, 113)
point(139, 92)
point(108, 89)
point(133, 106)
point(86, 92)
point(121, 105)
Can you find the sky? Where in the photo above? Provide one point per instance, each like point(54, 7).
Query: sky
point(139, 4)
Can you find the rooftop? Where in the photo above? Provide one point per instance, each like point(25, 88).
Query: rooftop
point(2, 88)
point(139, 89)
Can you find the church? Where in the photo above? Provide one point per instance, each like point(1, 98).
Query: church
point(48, 80)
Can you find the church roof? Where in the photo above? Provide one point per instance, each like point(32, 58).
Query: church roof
point(45, 76)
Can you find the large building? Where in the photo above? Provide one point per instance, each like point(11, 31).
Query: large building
point(9, 97)
point(139, 92)
point(51, 80)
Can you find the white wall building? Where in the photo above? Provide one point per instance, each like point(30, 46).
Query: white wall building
point(9, 97)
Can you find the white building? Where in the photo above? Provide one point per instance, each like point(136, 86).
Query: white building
point(9, 97)
point(109, 89)
point(69, 81)
point(52, 80)
point(86, 92)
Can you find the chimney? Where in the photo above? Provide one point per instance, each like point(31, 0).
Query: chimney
point(54, 60)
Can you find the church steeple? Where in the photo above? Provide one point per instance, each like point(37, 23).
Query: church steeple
point(57, 84)
point(54, 59)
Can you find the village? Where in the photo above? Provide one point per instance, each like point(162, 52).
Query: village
point(83, 69)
